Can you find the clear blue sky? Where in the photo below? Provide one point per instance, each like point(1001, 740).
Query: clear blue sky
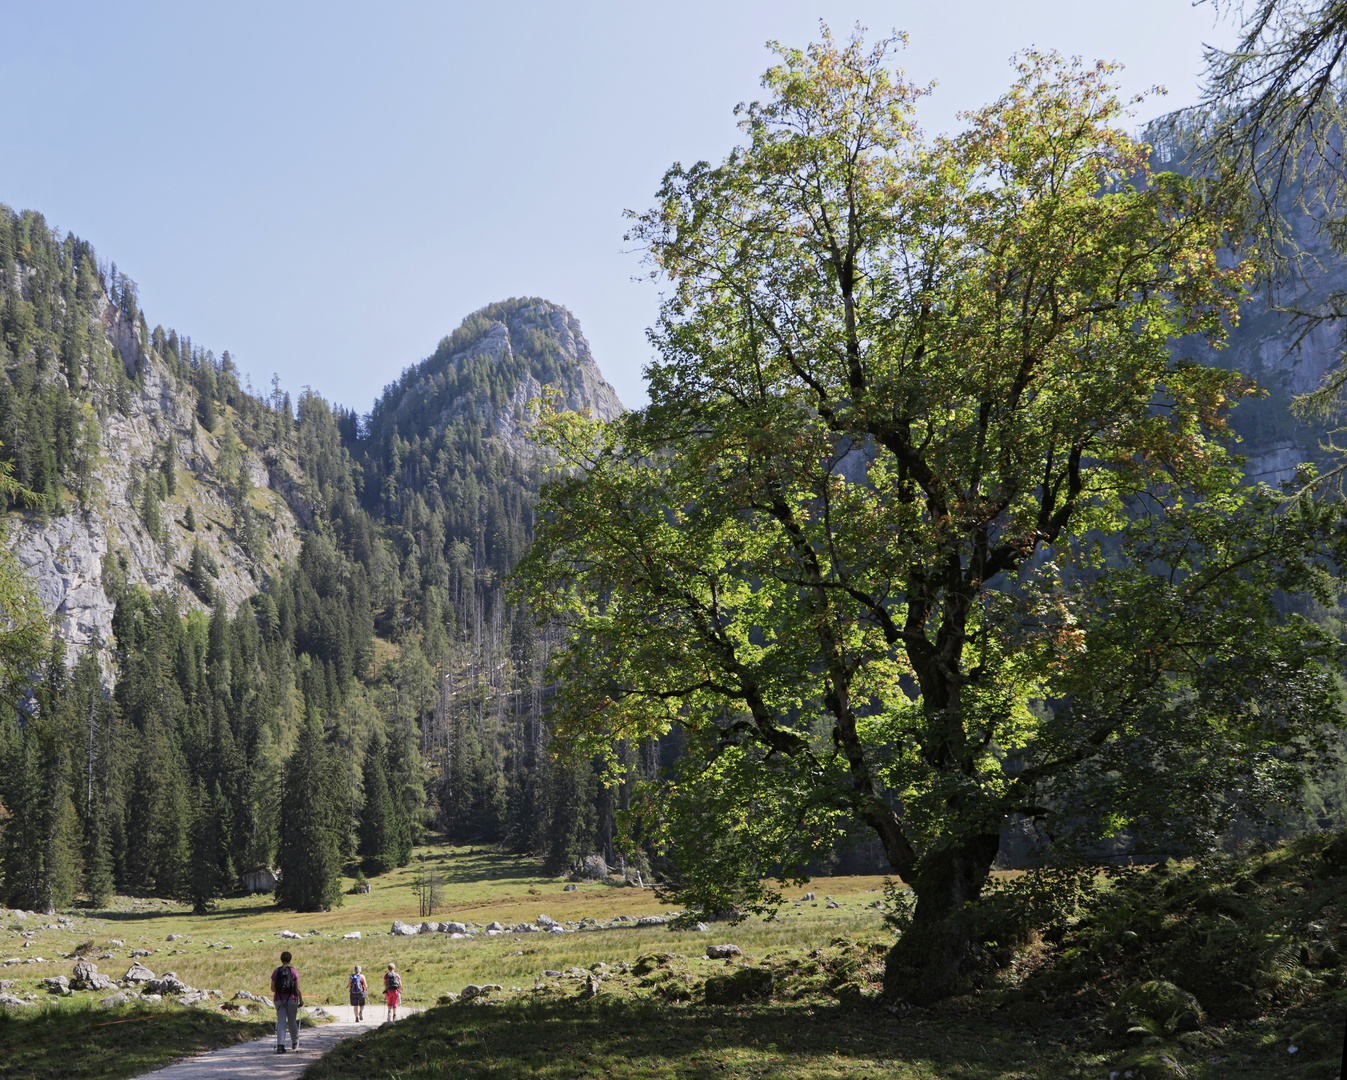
point(326, 189)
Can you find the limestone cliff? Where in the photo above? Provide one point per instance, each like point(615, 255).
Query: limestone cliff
point(75, 554)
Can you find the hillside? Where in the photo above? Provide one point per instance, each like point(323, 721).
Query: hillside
point(251, 593)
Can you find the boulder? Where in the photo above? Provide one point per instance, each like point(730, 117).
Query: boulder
point(153, 999)
point(807, 896)
point(244, 995)
point(57, 984)
point(570, 887)
point(700, 928)
point(288, 934)
point(546, 920)
point(551, 973)
point(114, 1000)
point(594, 868)
point(746, 984)
point(495, 926)
point(833, 904)
point(169, 983)
point(402, 929)
point(260, 880)
point(354, 935)
point(453, 927)
point(723, 952)
point(137, 973)
point(86, 977)
point(651, 920)
point(314, 933)
point(136, 954)
point(6, 985)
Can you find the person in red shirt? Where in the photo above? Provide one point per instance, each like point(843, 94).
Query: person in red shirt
point(288, 997)
point(392, 990)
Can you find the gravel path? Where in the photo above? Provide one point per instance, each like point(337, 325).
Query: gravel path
point(258, 1060)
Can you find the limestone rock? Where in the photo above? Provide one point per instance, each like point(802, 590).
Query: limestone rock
point(723, 952)
point(137, 973)
point(114, 1000)
point(354, 935)
point(402, 929)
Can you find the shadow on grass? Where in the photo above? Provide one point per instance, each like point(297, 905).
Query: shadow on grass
point(77, 1041)
point(622, 1038)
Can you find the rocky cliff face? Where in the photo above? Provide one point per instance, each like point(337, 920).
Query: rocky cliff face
point(74, 556)
point(78, 556)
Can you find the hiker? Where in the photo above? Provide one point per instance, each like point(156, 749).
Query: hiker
point(285, 992)
point(359, 988)
point(392, 990)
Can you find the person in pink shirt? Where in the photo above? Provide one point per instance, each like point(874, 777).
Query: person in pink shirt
point(288, 997)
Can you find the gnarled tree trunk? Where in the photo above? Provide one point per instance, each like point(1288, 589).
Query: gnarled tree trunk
point(936, 954)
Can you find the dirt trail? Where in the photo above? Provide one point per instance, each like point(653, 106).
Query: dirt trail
point(258, 1060)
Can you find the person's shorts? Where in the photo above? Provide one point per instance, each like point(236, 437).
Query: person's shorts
point(392, 996)
point(357, 998)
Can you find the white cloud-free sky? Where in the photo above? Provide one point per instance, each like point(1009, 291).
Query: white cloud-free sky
point(326, 189)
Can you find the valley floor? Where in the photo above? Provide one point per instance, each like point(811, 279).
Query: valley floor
point(621, 1001)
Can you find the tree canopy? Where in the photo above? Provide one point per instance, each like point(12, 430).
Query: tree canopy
point(927, 528)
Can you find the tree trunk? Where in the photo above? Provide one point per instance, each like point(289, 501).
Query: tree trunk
point(939, 951)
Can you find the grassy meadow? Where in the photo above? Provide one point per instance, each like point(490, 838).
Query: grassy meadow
point(628, 1002)
point(236, 946)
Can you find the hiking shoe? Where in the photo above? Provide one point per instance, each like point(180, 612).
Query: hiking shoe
point(280, 1049)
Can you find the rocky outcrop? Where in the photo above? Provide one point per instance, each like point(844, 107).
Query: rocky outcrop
point(67, 554)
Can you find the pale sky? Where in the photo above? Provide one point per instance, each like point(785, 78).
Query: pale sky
point(327, 189)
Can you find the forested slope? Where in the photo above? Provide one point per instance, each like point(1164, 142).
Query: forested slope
point(271, 612)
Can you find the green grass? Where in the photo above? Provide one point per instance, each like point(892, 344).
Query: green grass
point(1261, 941)
point(81, 1041)
point(623, 1038)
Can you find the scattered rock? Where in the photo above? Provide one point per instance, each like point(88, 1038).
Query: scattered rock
point(169, 983)
point(700, 928)
point(6, 985)
point(173, 937)
point(472, 991)
point(114, 1000)
point(547, 920)
point(590, 989)
point(57, 984)
point(746, 984)
point(288, 934)
point(723, 952)
point(807, 896)
point(833, 904)
point(402, 929)
point(495, 926)
point(570, 887)
point(551, 974)
point(453, 928)
point(153, 999)
point(354, 935)
point(314, 933)
point(116, 941)
point(137, 973)
point(651, 920)
point(244, 995)
point(136, 954)
point(86, 977)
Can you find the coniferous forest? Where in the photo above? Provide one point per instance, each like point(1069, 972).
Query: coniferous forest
point(379, 684)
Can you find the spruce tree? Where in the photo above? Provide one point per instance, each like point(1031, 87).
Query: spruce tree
point(379, 821)
point(310, 820)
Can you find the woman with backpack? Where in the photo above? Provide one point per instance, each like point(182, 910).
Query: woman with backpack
point(288, 998)
point(359, 988)
point(392, 990)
